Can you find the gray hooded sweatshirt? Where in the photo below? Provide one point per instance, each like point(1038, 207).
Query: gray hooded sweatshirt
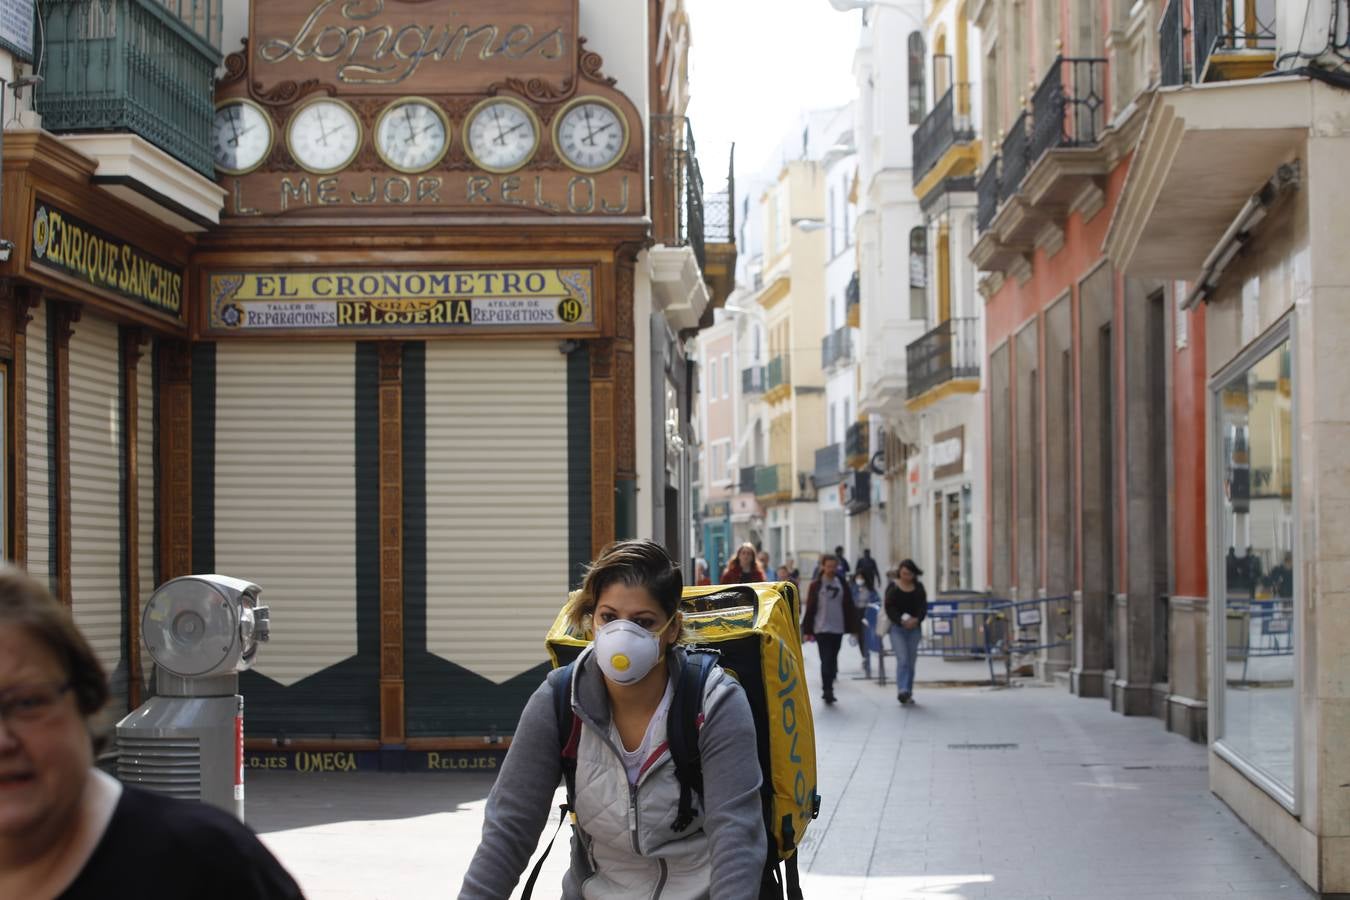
point(623, 846)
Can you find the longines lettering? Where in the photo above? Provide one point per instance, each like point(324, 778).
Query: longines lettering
point(583, 195)
point(382, 55)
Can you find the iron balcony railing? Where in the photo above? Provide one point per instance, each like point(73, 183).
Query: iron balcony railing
point(752, 380)
point(1014, 158)
point(986, 195)
point(1068, 108)
point(778, 373)
point(719, 208)
point(773, 481)
point(858, 491)
point(949, 351)
point(941, 130)
point(681, 186)
point(1231, 25)
point(138, 66)
point(852, 294)
point(836, 348)
point(747, 479)
point(829, 466)
point(1172, 45)
point(857, 444)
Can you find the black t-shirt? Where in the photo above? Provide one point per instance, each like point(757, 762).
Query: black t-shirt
point(159, 847)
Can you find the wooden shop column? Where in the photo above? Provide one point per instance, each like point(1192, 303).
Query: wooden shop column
point(392, 723)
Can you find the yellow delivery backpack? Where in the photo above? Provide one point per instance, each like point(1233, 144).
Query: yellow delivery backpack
point(754, 631)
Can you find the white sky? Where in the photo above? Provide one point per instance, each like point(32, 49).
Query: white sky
point(755, 66)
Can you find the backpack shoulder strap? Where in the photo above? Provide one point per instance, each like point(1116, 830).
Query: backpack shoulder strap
point(569, 728)
point(682, 730)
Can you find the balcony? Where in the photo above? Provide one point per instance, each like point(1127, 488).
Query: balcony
point(746, 481)
point(752, 380)
point(944, 143)
point(857, 446)
point(948, 353)
point(853, 302)
point(677, 261)
point(829, 466)
point(778, 380)
point(836, 348)
point(1234, 39)
point(858, 491)
point(773, 483)
point(1172, 45)
point(1052, 163)
point(137, 66)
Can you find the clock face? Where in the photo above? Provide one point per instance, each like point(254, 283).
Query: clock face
point(501, 135)
point(323, 136)
point(412, 135)
point(241, 137)
point(590, 135)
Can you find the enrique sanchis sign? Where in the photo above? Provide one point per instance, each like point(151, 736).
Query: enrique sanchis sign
point(67, 244)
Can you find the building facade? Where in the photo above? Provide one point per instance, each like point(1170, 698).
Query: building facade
point(944, 392)
point(400, 342)
point(1253, 103)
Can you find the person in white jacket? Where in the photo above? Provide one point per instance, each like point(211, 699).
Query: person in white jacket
point(624, 843)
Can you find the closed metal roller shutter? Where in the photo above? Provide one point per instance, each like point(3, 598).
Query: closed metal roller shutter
point(96, 510)
point(285, 518)
point(39, 453)
point(145, 467)
point(497, 501)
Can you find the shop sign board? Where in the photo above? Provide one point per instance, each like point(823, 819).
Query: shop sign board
point(305, 762)
point(414, 300)
point(947, 453)
point(16, 28)
point(914, 481)
point(413, 47)
point(66, 244)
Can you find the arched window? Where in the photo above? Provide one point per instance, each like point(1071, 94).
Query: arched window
point(917, 94)
point(918, 273)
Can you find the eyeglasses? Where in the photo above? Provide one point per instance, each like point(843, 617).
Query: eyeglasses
point(28, 705)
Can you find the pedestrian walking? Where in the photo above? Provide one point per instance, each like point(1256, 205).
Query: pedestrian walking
point(743, 568)
point(627, 791)
point(830, 614)
point(906, 607)
point(701, 577)
point(863, 597)
point(843, 563)
point(763, 559)
point(867, 570)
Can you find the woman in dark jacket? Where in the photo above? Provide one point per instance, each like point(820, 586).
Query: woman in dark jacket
point(906, 607)
point(743, 568)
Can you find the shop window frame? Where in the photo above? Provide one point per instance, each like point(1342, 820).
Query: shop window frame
point(1288, 796)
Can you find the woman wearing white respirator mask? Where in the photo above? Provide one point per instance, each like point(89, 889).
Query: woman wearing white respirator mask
point(629, 839)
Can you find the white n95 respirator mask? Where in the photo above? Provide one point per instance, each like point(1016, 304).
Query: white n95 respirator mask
point(626, 651)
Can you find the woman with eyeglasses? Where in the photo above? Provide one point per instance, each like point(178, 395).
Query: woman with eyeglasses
point(69, 831)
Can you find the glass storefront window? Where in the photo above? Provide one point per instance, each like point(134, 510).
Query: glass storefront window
point(1255, 622)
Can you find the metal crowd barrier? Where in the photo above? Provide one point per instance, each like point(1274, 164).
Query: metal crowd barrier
point(974, 627)
point(1275, 618)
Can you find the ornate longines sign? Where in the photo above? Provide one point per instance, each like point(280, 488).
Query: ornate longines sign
point(414, 46)
point(344, 108)
point(425, 300)
point(68, 245)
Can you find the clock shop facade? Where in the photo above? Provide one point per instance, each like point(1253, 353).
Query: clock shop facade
point(396, 361)
point(412, 356)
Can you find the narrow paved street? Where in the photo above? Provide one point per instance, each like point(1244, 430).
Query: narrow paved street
point(976, 792)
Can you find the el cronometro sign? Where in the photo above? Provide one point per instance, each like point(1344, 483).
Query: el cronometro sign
point(434, 300)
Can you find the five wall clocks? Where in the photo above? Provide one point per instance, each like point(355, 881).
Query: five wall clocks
point(324, 135)
point(413, 134)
